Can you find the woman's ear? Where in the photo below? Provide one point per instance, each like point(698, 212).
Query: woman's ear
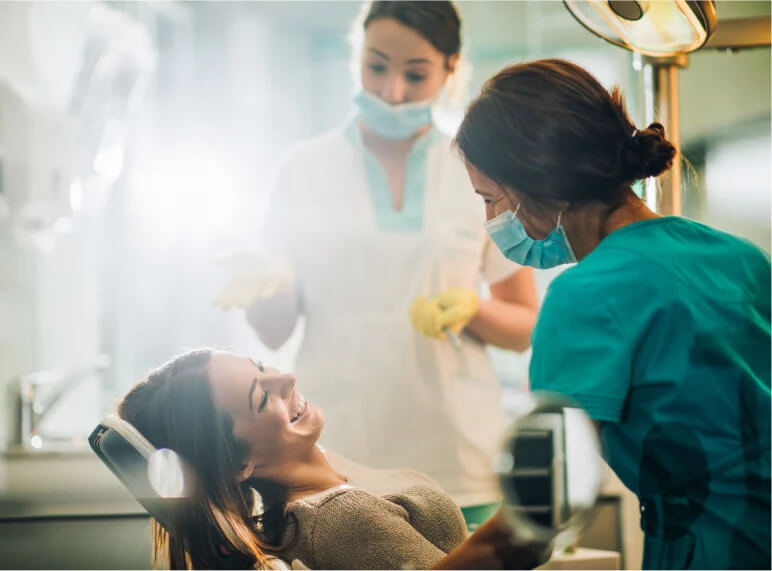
point(451, 62)
point(246, 471)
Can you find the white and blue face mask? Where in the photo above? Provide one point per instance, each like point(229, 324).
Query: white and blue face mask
point(393, 121)
point(509, 234)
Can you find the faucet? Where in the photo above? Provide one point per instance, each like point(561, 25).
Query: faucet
point(34, 404)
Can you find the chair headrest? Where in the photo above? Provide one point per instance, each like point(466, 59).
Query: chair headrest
point(127, 453)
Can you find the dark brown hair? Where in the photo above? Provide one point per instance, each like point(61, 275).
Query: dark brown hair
point(437, 22)
point(214, 526)
point(551, 131)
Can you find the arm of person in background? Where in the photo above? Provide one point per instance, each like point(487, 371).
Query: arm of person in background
point(492, 546)
point(507, 319)
point(274, 319)
point(263, 285)
point(263, 282)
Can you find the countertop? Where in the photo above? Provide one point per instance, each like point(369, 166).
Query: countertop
point(60, 483)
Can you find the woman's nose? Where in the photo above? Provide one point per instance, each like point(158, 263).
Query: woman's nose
point(279, 383)
point(393, 90)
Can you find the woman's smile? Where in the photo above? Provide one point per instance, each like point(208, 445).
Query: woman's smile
point(301, 405)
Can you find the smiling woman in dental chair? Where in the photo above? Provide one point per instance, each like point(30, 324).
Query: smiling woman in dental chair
point(245, 431)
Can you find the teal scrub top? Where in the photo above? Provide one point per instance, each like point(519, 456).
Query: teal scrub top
point(662, 333)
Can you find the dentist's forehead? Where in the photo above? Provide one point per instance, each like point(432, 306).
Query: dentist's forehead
point(482, 182)
point(401, 43)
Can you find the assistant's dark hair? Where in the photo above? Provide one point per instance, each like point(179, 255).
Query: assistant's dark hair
point(437, 22)
point(551, 131)
point(214, 526)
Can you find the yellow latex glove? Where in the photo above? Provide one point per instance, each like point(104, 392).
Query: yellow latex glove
point(449, 311)
point(425, 317)
point(459, 307)
point(254, 275)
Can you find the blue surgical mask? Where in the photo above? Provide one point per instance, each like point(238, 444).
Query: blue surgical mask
point(509, 234)
point(393, 121)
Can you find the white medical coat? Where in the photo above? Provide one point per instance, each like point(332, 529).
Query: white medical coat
point(392, 398)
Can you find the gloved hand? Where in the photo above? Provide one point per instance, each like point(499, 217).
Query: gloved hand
point(451, 310)
point(254, 275)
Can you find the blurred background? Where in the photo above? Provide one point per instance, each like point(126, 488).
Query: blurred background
point(138, 140)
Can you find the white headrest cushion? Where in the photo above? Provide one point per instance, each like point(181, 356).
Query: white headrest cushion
point(131, 434)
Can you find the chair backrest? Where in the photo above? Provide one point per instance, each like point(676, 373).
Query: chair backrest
point(127, 453)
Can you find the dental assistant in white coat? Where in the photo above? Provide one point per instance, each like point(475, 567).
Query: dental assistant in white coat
point(380, 228)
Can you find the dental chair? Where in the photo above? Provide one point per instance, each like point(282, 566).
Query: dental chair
point(127, 453)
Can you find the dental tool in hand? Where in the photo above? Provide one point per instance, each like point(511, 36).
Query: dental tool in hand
point(453, 336)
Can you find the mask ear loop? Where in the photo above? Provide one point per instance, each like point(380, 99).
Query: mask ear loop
point(565, 237)
point(519, 204)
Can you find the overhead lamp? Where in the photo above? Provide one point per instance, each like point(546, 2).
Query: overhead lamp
point(651, 27)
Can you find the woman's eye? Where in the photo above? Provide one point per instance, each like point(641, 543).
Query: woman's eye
point(415, 78)
point(260, 367)
point(263, 401)
point(377, 68)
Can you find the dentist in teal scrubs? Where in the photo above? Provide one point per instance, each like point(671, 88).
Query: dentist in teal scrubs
point(661, 331)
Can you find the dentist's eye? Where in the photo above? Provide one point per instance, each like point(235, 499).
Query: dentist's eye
point(263, 401)
point(487, 201)
point(377, 68)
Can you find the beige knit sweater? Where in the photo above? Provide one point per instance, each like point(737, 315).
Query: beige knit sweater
point(381, 519)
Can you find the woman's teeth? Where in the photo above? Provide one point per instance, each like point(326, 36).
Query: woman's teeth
point(299, 408)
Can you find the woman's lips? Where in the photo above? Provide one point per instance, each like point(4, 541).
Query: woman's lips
point(300, 409)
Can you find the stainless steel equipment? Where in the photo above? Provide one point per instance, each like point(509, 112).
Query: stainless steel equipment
point(36, 394)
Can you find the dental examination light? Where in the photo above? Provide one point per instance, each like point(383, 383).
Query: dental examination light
point(651, 27)
point(663, 32)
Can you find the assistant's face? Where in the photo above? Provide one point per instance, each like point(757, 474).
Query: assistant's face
point(401, 66)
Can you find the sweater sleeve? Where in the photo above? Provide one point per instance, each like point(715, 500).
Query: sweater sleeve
point(434, 514)
point(357, 530)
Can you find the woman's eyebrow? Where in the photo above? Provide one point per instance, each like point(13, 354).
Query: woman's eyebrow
point(252, 391)
point(379, 52)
